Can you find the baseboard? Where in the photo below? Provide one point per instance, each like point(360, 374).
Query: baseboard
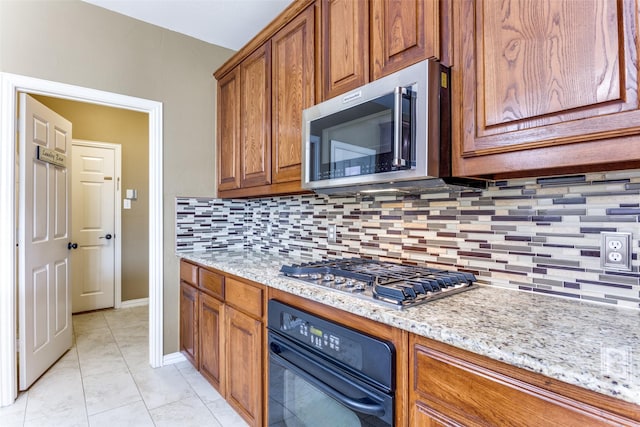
point(170, 359)
point(134, 303)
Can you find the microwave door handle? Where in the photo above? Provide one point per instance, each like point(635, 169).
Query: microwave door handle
point(398, 161)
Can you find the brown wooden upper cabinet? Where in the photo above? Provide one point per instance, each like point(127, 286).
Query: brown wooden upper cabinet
point(228, 131)
point(544, 86)
point(260, 103)
point(293, 59)
point(403, 32)
point(255, 123)
point(345, 45)
point(364, 40)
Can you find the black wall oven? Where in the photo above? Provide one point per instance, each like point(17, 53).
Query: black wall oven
point(324, 374)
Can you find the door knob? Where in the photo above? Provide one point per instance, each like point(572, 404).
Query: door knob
point(72, 246)
point(107, 236)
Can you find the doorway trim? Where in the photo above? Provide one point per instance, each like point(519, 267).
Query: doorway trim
point(10, 85)
point(117, 208)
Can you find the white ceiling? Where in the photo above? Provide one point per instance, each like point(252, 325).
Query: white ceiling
point(227, 23)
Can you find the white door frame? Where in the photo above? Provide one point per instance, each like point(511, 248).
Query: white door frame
point(117, 208)
point(10, 85)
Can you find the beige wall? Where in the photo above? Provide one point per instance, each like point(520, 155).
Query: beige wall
point(81, 44)
point(130, 129)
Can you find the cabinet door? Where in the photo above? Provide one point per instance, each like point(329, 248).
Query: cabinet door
point(244, 365)
point(403, 32)
point(211, 314)
point(539, 83)
point(293, 75)
point(423, 416)
point(255, 106)
point(345, 46)
point(228, 131)
point(189, 322)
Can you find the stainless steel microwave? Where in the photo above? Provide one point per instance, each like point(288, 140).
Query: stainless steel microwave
point(386, 133)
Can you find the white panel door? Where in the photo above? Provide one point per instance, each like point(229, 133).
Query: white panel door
point(93, 189)
point(45, 331)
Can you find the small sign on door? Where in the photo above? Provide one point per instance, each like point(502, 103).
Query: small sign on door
point(51, 156)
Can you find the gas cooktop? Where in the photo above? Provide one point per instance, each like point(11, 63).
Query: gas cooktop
point(397, 285)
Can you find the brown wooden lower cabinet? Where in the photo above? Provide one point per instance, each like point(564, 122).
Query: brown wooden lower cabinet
point(189, 322)
point(424, 416)
point(452, 387)
point(211, 336)
point(222, 335)
point(244, 365)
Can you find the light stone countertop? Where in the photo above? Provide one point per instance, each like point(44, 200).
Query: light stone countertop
point(593, 346)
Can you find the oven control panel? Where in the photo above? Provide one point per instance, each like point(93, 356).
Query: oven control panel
point(322, 339)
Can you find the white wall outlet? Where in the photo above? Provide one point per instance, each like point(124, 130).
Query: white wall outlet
point(331, 233)
point(615, 251)
point(616, 362)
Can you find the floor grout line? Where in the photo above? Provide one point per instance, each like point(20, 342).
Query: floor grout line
point(128, 365)
point(82, 377)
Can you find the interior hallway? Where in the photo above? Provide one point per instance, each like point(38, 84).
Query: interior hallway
point(105, 380)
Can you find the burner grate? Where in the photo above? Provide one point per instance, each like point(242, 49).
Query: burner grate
point(396, 284)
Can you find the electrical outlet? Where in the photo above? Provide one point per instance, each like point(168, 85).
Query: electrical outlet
point(615, 251)
point(616, 362)
point(331, 233)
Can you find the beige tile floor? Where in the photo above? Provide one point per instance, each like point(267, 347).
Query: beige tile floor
point(106, 380)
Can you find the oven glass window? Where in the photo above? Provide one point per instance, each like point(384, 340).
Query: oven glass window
point(310, 407)
point(294, 402)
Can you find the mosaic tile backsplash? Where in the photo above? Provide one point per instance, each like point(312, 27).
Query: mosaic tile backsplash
point(536, 235)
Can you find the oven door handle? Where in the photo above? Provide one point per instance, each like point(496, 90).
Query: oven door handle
point(373, 408)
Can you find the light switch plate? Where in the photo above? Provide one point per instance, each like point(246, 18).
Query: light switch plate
point(126, 204)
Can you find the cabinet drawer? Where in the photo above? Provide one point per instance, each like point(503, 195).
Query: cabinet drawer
point(212, 282)
point(469, 394)
point(244, 297)
point(189, 273)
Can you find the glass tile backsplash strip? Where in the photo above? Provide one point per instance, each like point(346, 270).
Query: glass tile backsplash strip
point(535, 235)
point(203, 223)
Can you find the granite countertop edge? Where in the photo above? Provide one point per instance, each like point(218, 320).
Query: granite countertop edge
point(563, 339)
